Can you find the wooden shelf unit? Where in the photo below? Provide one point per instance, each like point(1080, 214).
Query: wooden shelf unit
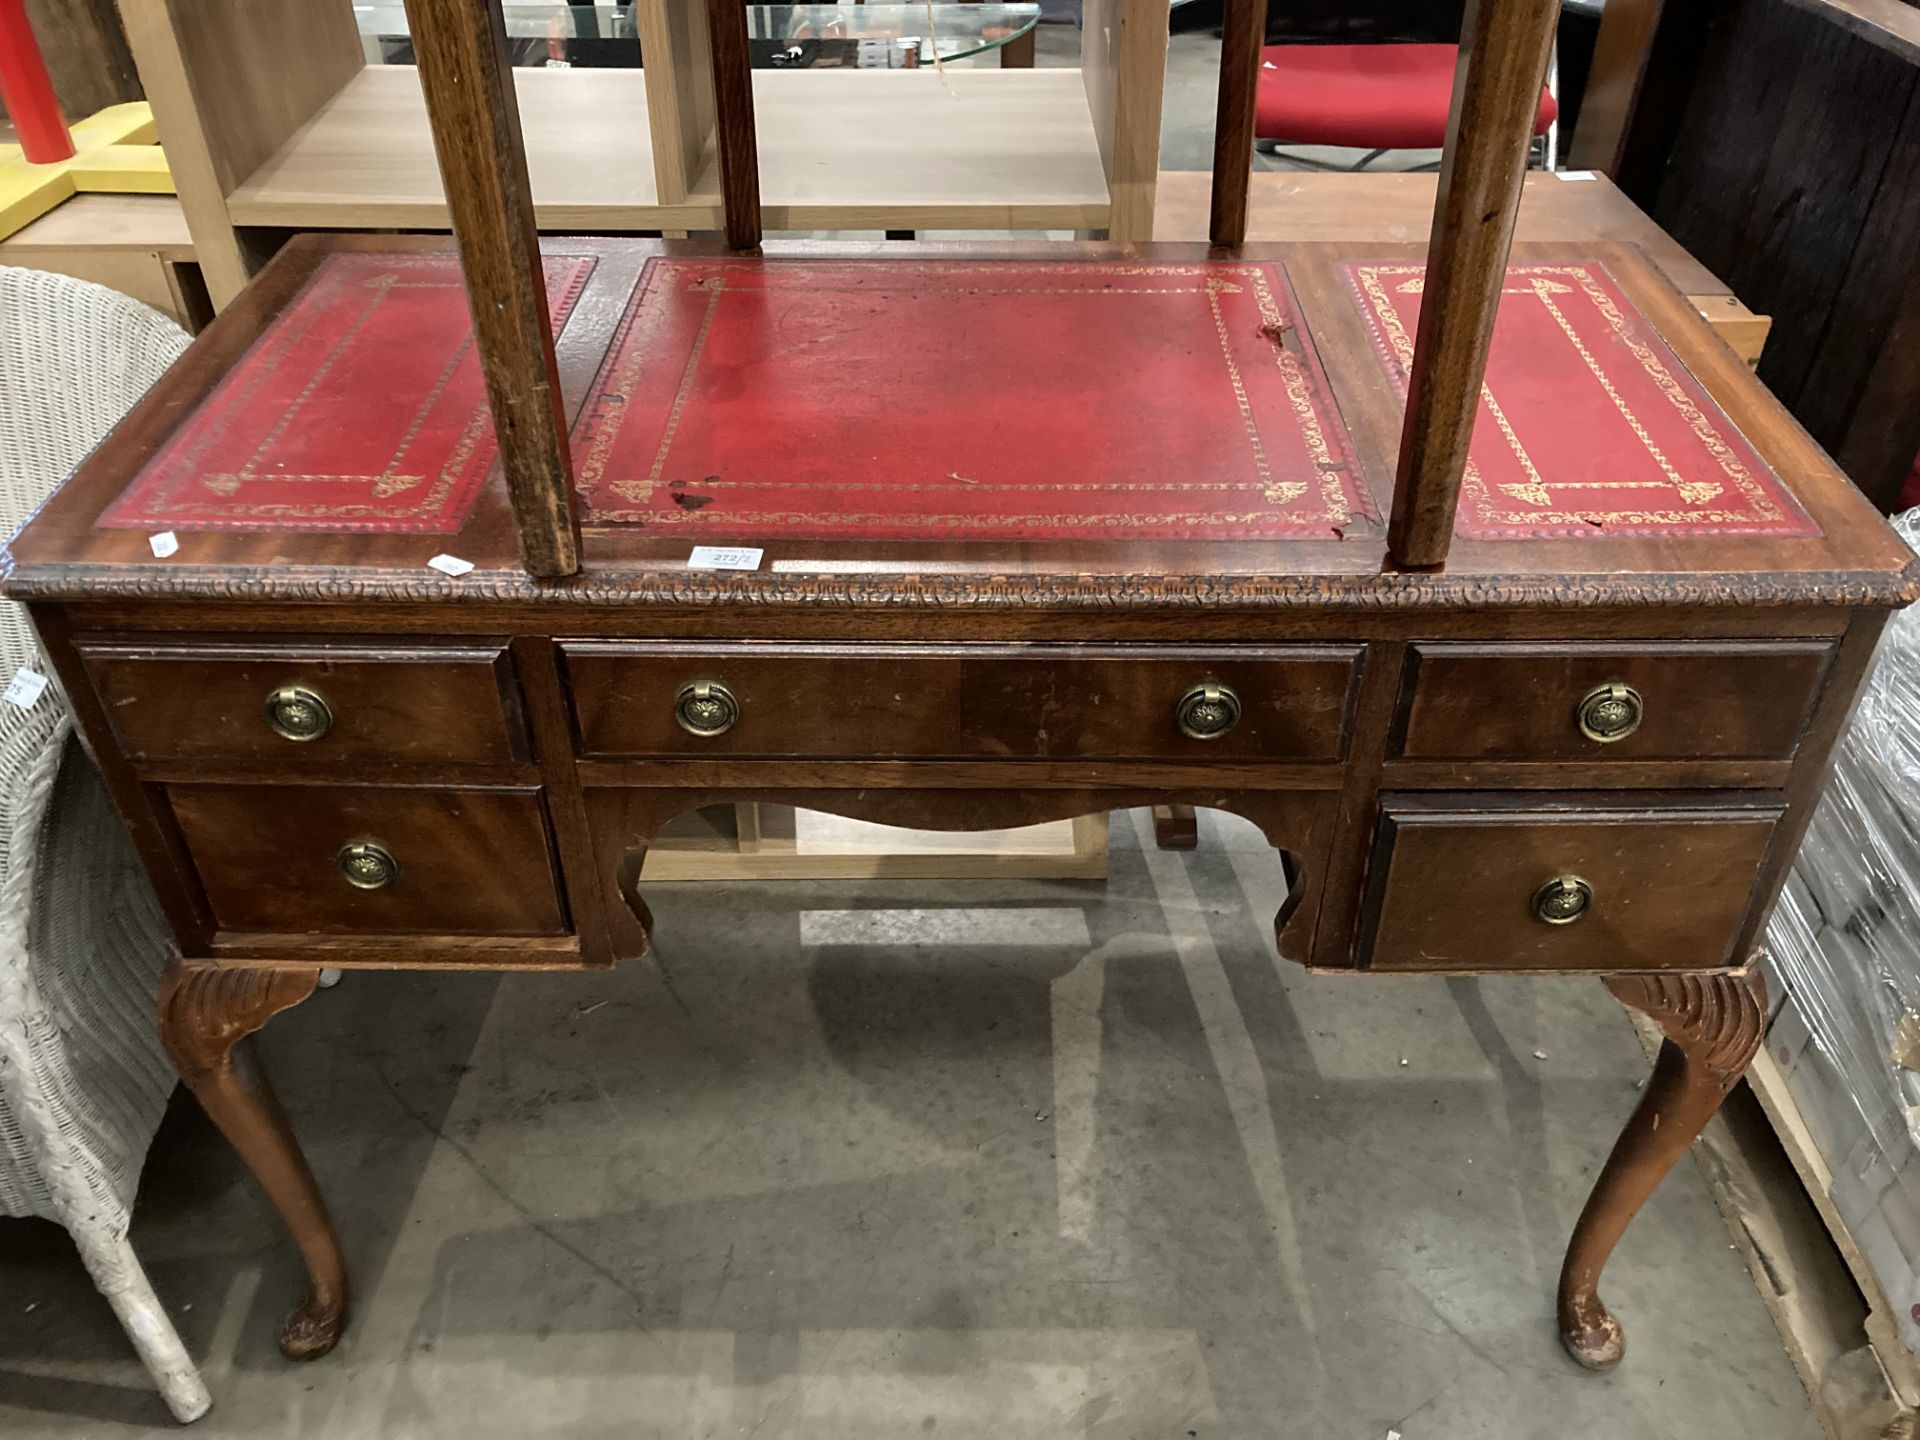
point(365, 161)
point(985, 149)
point(915, 149)
point(273, 121)
point(136, 244)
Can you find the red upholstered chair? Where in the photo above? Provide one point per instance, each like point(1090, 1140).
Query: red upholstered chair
point(1369, 97)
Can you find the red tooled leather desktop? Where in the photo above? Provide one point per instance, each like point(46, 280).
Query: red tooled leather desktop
point(896, 400)
point(1487, 583)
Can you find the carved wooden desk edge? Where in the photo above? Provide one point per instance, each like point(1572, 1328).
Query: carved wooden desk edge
point(904, 589)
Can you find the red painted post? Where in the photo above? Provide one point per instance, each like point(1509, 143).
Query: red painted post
point(27, 92)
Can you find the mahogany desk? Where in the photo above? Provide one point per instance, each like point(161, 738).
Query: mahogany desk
point(1588, 744)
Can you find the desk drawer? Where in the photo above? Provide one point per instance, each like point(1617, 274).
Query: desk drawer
point(1480, 882)
point(958, 701)
point(1727, 700)
point(345, 860)
point(312, 703)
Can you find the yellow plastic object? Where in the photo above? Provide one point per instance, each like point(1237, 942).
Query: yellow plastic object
point(114, 150)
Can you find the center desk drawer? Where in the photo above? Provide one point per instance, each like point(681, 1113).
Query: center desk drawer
point(1720, 700)
point(1024, 703)
point(1516, 882)
point(344, 860)
point(324, 703)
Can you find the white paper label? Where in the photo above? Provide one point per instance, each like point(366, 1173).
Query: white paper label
point(1576, 174)
point(163, 544)
point(25, 689)
point(722, 557)
point(450, 565)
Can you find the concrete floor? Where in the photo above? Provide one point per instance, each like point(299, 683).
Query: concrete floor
point(860, 1162)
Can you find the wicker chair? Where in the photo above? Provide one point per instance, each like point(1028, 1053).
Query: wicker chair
point(83, 1080)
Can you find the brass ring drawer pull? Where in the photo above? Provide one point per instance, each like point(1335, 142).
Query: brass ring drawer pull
point(1207, 712)
point(1562, 900)
point(367, 866)
point(296, 713)
point(706, 708)
point(1610, 712)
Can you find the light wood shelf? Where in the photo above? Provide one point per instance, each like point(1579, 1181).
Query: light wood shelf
point(777, 842)
point(365, 158)
point(150, 224)
point(918, 149)
point(847, 150)
point(273, 122)
point(136, 244)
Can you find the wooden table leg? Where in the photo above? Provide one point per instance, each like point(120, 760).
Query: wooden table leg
point(1175, 828)
point(206, 1017)
point(1713, 1025)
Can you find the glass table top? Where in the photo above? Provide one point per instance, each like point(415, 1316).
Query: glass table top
point(781, 36)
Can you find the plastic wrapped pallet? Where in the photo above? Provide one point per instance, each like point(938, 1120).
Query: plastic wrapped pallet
point(1845, 946)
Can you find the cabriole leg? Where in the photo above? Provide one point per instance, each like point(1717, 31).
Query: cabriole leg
point(206, 1017)
point(1712, 1024)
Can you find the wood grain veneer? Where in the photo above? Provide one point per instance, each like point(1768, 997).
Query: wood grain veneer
point(1033, 703)
point(444, 706)
point(471, 862)
point(1726, 700)
point(1453, 880)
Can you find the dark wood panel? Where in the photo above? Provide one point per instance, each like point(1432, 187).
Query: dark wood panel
point(1585, 774)
point(444, 705)
point(1885, 252)
point(1742, 701)
point(1454, 881)
point(1787, 170)
point(468, 862)
point(1714, 160)
point(1038, 702)
point(164, 858)
point(424, 624)
point(1892, 25)
point(400, 952)
point(1677, 57)
point(552, 730)
point(86, 54)
point(1622, 51)
point(1826, 152)
point(1882, 435)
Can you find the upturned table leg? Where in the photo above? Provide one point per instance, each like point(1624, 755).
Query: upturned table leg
point(206, 1017)
point(1175, 827)
point(1713, 1026)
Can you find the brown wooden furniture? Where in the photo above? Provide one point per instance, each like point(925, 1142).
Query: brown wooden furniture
point(1818, 228)
point(136, 244)
point(1582, 754)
